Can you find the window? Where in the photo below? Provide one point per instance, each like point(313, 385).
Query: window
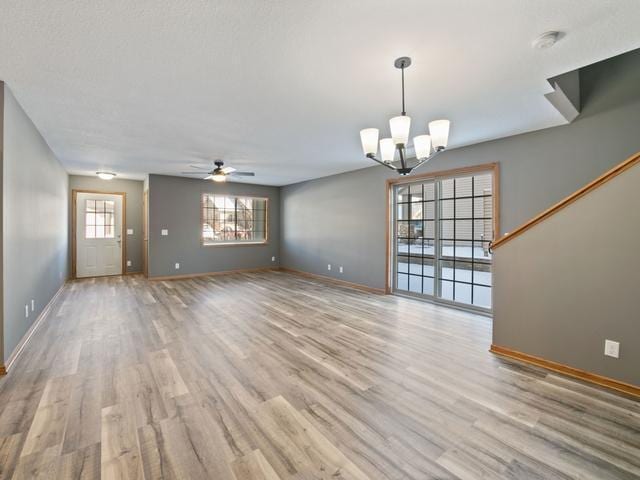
point(443, 228)
point(100, 219)
point(233, 220)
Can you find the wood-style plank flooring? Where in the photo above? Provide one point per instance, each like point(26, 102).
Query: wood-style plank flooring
point(274, 376)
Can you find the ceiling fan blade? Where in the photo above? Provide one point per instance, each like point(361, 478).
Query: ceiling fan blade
point(228, 170)
point(202, 166)
point(242, 174)
point(208, 177)
point(193, 173)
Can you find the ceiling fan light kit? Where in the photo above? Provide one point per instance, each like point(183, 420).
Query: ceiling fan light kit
point(400, 127)
point(220, 173)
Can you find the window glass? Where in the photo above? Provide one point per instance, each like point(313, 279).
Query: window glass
point(99, 219)
point(233, 220)
point(443, 230)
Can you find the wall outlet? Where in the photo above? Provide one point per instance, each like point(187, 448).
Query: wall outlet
point(128, 263)
point(164, 232)
point(329, 266)
point(26, 311)
point(33, 304)
point(611, 348)
point(129, 231)
point(341, 269)
point(177, 266)
point(273, 259)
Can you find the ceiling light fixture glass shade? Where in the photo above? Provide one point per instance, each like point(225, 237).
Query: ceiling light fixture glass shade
point(105, 175)
point(439, 130)
point(219, 177)
point(422, 146)
point(369, 139)
point(387, 149)
point(400, 127)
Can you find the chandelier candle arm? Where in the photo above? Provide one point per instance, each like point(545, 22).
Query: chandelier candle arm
point(384, 164)
point(426, 159)
point(400, 127)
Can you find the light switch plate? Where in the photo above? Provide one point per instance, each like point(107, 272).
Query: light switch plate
point(329, 266)
point(611, 348)
point(129, 231)
point(164, 232)
point(177, 266)
point(273, 259)
point(341, 269)
point(128, 263)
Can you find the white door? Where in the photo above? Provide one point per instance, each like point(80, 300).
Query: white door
point(98, 234)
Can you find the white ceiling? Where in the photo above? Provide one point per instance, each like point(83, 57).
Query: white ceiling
point(283, 87)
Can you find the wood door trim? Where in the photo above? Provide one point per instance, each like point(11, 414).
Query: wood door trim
point(590, 377)
point(123, 226)
point(494, 168)
point(601, 180)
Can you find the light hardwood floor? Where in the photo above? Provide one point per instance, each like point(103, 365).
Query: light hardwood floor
point(275, 376)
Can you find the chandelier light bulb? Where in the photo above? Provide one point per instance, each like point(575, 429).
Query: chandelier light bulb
point(422, 146)
point(400, 127)
point(439, 130)
point(387, 150)
point(369, 139)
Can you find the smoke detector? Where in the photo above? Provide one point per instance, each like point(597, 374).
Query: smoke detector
point(546, 40)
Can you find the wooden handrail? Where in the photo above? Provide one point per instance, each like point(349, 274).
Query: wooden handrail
point(601, 180)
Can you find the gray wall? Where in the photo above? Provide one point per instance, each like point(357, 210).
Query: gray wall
point(133, 189)
point(569, 283)
point(35, 223)
point(341, 219)
point(175, 204)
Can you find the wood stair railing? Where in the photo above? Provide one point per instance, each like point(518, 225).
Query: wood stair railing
point(601, 180)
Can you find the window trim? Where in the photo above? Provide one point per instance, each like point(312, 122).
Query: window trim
point(264, 242)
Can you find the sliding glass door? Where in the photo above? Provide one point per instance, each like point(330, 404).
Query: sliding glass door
point(442, 228)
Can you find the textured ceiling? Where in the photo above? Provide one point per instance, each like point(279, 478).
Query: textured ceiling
point(283, 87)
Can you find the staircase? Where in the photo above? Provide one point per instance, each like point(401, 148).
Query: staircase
point(569, 279)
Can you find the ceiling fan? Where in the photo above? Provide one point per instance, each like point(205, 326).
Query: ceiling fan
point(220, 173)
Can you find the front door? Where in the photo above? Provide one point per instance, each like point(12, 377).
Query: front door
point(98, 234)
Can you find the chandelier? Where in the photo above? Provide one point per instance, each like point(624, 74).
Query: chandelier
point(399, 141)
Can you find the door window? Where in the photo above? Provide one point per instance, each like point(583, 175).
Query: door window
point(100, 219)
